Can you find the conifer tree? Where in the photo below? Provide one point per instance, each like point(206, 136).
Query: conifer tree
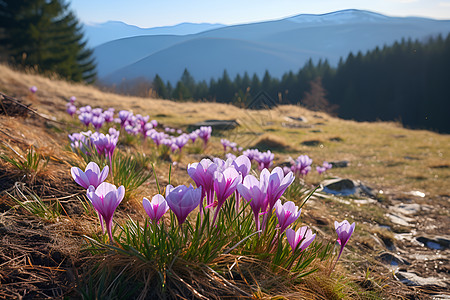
point(45, 35)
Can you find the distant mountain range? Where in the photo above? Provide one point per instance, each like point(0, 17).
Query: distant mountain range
point(112, 30)
point(277, 46)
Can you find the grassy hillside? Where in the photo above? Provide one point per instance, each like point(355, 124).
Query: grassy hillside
point(398, 163)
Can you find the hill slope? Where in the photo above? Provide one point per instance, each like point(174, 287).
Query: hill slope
point(406, 219)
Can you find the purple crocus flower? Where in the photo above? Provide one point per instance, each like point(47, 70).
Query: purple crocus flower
point(108, 115)
point(81, 141)
point(85, 118)
point(265, 160)
point(323, 168)
point(105, 199)
point(148, 126)
point(182, 200)
point(303, 236)
point(158, 137)
point(181, 141)
point(225, 184)
point(252, 154)
point(327, 165)
point(344, 231)
point(97, 122)
point(205, 133)
point(302, 165)
point(254, 192)
point(91, 175)
point(72, 99)
point(222, 164)
point(71, 109)
point(225, 143)
point(203, 175)
point(173, 146)
point(105, 143)
point(33, 89)
point(278, 183)
point(320, 170)
point(85, 109)
point(97, 112)
point(113, 132)
point(243, 165)
point(193, 136)
point(156, 208)
point(123, 117)
point(287, 214)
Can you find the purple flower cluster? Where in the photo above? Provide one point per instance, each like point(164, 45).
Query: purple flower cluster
point(301, 166)
point(87, 115)
point(252, 154)
point(324, 167)
point(85, 142)
point(264, 160)
point(232, 145)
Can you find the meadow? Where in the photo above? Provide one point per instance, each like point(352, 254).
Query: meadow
point(54, 245)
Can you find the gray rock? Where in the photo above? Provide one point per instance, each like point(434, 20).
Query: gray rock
point(215, 124)
point(346, 187)
point(413, 279)
point(406, 209)
point(436, 242)
point(335, 139)
point(298, 119)
point(338, 186)
point(339, 164)
point(392, 259)
point(400, 219)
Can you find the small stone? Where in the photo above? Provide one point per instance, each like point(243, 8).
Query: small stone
point(346, 187)
point(436, 242)
point(392, 259)
point(298, 119)
point(413, 279)
point(400, 219)
point(215, 124)
point(335, 139)
point(406, 209)
point(339, 164)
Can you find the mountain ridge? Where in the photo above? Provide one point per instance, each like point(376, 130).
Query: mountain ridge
point(330, 39)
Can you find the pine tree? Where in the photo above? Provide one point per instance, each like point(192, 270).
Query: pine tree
point(45, 35)
point(159, 87)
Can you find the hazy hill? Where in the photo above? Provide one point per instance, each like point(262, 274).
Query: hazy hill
point(112, 30)
point(286, 45)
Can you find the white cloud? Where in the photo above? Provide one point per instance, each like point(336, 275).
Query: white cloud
point(404, 1)
point(444, 4)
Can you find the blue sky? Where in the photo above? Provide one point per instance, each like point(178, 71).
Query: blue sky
point(151, 13)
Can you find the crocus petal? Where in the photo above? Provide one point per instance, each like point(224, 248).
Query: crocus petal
point(80, 177)
point(103, 174)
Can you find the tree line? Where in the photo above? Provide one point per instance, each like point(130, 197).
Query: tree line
point(408, 81)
